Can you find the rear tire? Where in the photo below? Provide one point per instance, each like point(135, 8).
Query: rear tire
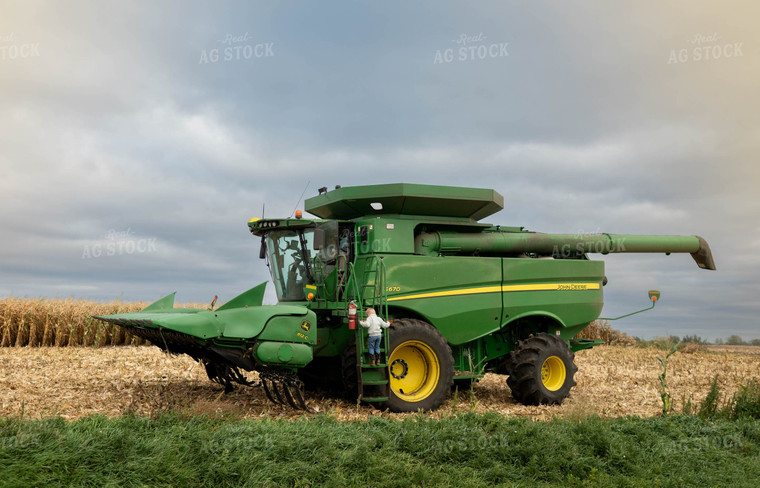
point(420, 367)
point(541, 370)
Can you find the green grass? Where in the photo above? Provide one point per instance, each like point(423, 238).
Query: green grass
point(745, 403)
point(469, 450)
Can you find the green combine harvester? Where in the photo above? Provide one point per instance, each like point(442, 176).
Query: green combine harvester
point(465, 297)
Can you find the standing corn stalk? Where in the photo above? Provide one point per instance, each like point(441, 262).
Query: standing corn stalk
point(667, 400)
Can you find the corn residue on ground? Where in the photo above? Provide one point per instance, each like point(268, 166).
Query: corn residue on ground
point(74, 382)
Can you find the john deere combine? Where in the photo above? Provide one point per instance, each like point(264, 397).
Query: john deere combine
point(466, 298)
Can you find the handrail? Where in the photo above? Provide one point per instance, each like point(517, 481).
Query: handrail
point(383, 289)
point(355, 288)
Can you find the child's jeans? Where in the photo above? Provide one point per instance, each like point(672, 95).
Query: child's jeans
point(374, 344)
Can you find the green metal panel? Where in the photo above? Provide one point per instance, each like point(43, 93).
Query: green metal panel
point(395, 235)
point(237, 323)
point(249, 322)
point(460, 296)
point(283, 353)
point(166, 303)
point(466, 297)
point(197, 323)
point(251, 298)
point(300, 326)
point(387, 236)
point(445, 202)
point(568, 290)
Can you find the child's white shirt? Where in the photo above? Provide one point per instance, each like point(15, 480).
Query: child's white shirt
point(374, 323)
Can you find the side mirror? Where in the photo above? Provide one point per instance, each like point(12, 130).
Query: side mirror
point(319, 239)
point(654, 295)
point(263, 249)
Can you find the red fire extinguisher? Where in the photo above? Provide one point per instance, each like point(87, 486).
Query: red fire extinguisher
point(352, 315)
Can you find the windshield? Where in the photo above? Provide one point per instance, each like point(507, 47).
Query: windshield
point(289, 263)
point(293, 261)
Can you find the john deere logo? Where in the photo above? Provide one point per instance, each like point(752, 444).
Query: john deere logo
point(306, 326)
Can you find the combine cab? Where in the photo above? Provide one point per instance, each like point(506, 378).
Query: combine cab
point(465, 297)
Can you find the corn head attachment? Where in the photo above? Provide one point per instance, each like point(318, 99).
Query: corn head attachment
point(284, 389)
point(240, 336)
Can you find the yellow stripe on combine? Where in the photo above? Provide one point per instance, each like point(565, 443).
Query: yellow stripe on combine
point(552, 286)
point(503, 289)
point(465, 291)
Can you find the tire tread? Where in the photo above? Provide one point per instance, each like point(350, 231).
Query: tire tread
point(523, 379)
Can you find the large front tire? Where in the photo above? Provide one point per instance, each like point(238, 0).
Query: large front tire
point(541, 370)
point(420, 367)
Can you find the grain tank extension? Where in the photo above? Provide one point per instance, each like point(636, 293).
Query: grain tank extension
point(465, 297)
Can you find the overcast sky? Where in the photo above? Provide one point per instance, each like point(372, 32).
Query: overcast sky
point(160, 128)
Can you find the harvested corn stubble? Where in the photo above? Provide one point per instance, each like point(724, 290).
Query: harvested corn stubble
point(74, 382)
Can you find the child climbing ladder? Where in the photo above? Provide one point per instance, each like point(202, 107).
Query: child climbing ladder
point(375, 325)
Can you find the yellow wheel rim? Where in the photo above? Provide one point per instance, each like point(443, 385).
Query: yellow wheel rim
point(553, 373)
point(414, 371)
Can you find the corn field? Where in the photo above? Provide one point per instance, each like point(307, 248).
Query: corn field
point(63, 322)
point(69, 322)
point(601, 330)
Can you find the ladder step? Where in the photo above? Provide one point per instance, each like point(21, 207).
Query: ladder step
point(374, 382)
point(367, 366)
point(374, 399)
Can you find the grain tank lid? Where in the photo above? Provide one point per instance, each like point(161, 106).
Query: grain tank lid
point(405, 199)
